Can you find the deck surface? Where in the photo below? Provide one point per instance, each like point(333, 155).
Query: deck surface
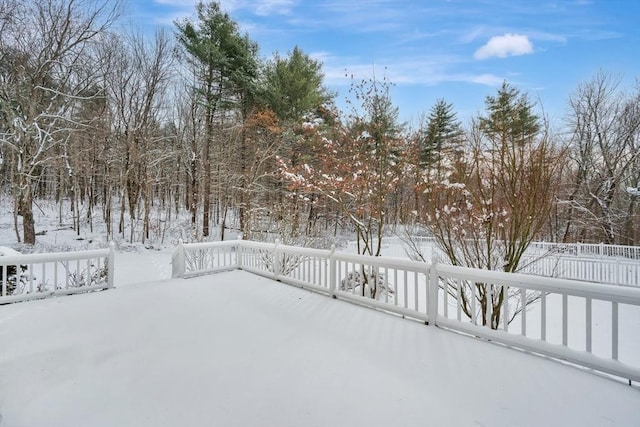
point(234, 349)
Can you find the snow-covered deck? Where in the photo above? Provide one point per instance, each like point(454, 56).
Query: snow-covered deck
point(234, 349)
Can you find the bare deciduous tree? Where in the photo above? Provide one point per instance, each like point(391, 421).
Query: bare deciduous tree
point(604, 161)
point(46, 50)
point(489, 207)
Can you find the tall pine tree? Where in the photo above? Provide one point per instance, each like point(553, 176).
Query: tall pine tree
point(443, 137)
point(224, 65)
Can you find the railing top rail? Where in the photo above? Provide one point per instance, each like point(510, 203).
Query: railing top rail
point(621, 294)
point(205, 245)
point(52, 257)
point(389, 262)
point(287, 248)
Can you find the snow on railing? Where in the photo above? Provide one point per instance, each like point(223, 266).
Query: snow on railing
point(32, 276)
point(588, 324)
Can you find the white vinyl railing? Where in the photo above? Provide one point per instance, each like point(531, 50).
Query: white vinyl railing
point(588, 324)
point(32, 276)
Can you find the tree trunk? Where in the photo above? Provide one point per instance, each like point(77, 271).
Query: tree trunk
point(206, 201)
point(25, 208)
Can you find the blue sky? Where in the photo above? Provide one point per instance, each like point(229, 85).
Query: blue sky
point(459, 50)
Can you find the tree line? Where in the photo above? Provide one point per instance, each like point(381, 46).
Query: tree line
point(193, 125)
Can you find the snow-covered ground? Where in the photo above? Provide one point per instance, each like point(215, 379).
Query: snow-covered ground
point(234, 349)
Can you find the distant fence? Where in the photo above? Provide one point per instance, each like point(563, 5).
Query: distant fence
point(32, 276)
point(599, 263)
point(562, 321)
point(612, 271)
point(587, 250)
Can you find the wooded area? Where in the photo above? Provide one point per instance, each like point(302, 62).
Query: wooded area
point(194, 126)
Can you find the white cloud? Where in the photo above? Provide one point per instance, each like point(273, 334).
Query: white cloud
point(503, 46)
point(258, 7)
point(484, 79)
point(261, 7)
point(430, 71)
point(473, 34)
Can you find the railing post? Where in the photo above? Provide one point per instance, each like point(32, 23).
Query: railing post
point(177, 262)
point(433, 285)
point(239, 262)
point(277, 268)
point(332, 272)
point(601, 249)
point(489, 304)
point(111, 267)
point(3, 291)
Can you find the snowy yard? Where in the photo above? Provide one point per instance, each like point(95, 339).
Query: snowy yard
point(234, 349)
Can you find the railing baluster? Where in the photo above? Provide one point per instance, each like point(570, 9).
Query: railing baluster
point(406, 296)
point(315, 267)
point(386, 285)
point(427, 292)
point(523, 311)
point(474, 315)
point(488, 289)
point(614, 330)
point(588, 324)
point(445, 301)
point(395, 287)
point(505, 308)
point(4, 280)
point(66, 274)
point(30, 277)
point(543, 317)
point(459, 298)
point(565, 319)
point(415, 290)
point(359, 268)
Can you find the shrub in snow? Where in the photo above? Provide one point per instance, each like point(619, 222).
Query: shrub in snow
point(92, 275)
point(285, 263)
point(16, 274)
point(199, 259)
point(367, 282)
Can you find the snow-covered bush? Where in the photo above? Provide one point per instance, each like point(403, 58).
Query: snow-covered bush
point(367, 282)
point(285, 264)
point(16, 274)
point(92, 275)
